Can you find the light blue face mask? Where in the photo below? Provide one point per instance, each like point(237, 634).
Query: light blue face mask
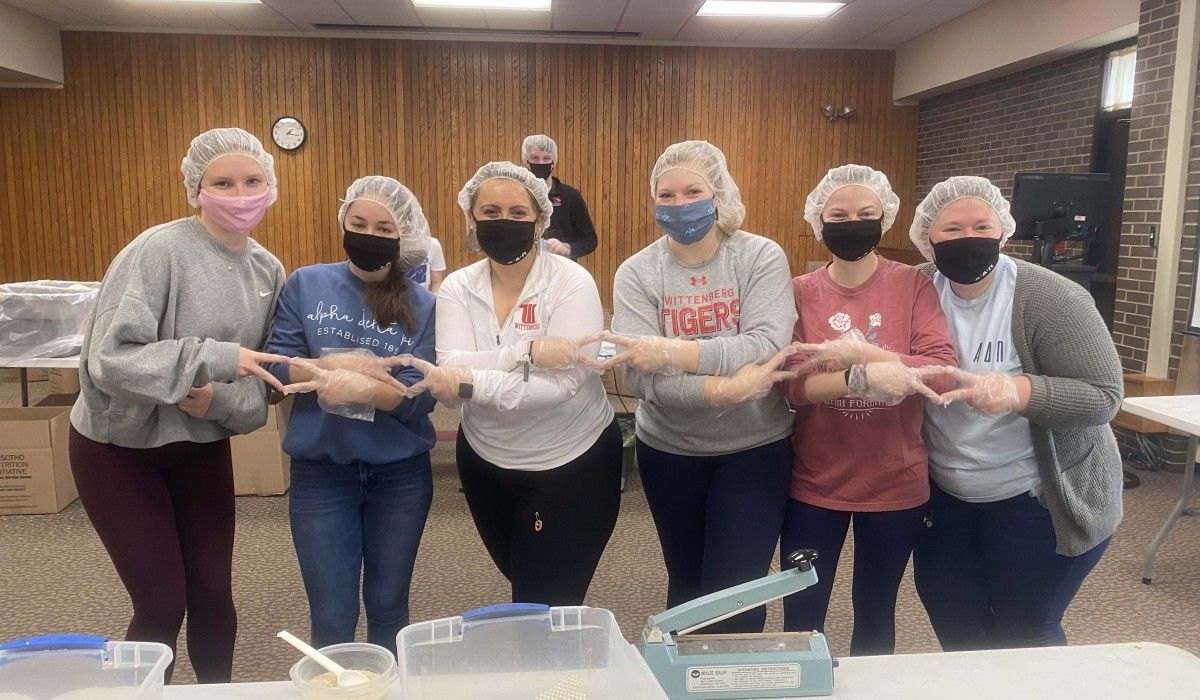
point(687, 223)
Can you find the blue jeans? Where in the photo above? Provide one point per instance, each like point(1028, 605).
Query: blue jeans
point(718, 519)
point(359, 519)
point(989, 577)
point(883, 540)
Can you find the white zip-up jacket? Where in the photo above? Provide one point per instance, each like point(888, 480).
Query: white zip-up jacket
point(551, 417)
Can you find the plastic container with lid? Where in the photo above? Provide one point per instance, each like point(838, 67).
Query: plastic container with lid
point(532, 652)
point(47, 318)
point(71, 667)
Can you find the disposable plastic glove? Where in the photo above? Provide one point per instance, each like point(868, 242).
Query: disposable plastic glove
point(557, 352)
point(341, 392)
point(992, 394)
point(441, 382)
point(839, 354)
point(889, 383)
point(647, 354)
point(750, 383)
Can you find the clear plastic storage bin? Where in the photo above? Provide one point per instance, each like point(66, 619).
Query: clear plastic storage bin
point(46, 318)
point(74, 667)
point(532, 652)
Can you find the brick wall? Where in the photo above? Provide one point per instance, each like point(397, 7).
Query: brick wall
point(1043, 118)
point(1144, 179)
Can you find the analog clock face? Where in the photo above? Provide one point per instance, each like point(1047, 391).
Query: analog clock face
point(288, 133)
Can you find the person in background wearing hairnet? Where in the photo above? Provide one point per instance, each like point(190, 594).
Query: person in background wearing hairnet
point(867, 325)
point(703, 315)
point(361, 489)
point(539, 450)
point(1026, 473)
point(571, 232)
point(169, 371)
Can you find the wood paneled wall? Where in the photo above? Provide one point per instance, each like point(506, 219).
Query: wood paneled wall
point(86, 168)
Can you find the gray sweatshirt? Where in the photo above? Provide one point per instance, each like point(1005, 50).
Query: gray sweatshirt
point(739, 307)
point(172, 311)
point(1076, 388)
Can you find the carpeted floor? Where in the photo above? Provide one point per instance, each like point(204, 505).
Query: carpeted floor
point(55, 576)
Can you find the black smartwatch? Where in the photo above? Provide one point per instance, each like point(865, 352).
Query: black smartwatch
point(466, 390)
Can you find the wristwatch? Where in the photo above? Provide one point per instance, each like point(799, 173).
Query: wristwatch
point(856, 380)
point(466, 390)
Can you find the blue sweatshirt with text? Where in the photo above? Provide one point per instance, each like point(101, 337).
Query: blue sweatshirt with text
point(321, 306)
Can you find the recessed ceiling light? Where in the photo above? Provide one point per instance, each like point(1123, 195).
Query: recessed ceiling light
point(766, 8)
point(537, 5)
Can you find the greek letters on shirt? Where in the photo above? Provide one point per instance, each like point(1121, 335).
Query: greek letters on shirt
point(361, 330)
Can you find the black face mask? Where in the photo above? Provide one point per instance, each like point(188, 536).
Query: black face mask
point(851, 240)
point(541, 170)
point(369, 253)
point(966, 260)
point(504, 240)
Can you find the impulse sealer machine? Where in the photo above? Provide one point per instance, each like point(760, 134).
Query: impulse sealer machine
point(739, 666)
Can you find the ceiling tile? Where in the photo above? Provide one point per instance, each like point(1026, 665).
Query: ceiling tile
point(308, 12)
point(398, 12)
point(443, 17)
point(519, 20)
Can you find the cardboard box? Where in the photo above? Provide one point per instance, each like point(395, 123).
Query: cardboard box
point(35, 462)
point(260, 466)
point(64, 381)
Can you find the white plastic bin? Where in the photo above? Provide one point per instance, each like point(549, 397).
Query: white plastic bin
point(46, 318)
point(531, 652)
point(77, 667)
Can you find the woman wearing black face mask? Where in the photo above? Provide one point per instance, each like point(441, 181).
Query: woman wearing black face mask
point(360, 489)
point(539, 451)
point(869, 326)
point(1026, 473)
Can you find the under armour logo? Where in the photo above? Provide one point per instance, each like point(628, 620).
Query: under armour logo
point(702, 279)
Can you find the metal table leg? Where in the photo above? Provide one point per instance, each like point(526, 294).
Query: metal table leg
point(1179, 510)
point(24, 386)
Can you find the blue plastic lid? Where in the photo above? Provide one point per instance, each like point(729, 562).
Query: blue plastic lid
point(54, 642)
point(492, 612)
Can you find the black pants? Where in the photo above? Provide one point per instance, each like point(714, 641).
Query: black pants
point(546, 529)
point(882, 543)
point(718, 519)
point(165, 515)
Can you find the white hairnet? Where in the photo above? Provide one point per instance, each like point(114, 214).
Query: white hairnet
point(539, 143)
point(952, 190)
point(511, 171)
point(405, 210)
point(842, 176)
point(215, 143)
point(707, 161)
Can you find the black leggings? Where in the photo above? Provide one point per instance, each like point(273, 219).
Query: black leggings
point(546, 529)
point(165, 515)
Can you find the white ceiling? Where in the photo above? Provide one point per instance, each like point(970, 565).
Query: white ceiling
point(860, 24)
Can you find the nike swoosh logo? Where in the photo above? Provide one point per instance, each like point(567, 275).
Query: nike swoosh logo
point(263, 294)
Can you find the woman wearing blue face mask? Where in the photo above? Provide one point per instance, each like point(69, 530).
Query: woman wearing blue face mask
point(701, 315)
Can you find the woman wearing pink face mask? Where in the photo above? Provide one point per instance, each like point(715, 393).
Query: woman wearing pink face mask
point(168, 372)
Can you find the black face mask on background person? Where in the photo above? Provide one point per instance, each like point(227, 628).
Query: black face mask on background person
point(369, 253)
point(505, 241)
point(541, 170)
point(966, 260)
point(851, 240)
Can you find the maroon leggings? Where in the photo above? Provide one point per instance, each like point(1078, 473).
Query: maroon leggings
point(165, 515)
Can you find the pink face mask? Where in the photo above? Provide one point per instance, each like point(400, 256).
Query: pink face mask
point(237, 214)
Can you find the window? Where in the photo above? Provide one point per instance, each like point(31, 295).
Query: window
point(1118, 79)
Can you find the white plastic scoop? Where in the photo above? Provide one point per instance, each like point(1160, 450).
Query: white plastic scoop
point(345, 677)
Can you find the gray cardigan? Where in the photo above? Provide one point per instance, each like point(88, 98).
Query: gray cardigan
point(1076, 389)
